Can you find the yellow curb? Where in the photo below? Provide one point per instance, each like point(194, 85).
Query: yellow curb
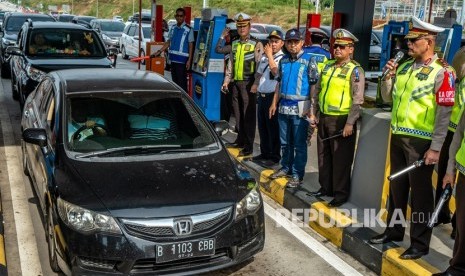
point(235, 152)
point(393, 266)
point(2, 251)
point(332, 224)
point(273, 188)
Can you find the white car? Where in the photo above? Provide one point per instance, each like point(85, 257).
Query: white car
point(130, 40)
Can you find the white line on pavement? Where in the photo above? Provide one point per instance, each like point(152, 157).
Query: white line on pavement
point(27, 245)
point(309, 241)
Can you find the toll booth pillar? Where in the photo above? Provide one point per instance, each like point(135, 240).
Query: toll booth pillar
point(358, 19)
point(313, 21)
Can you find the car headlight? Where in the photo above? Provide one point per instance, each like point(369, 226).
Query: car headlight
point(35, 73)
point(249, 204)
point(86, 221)
point(106, 37)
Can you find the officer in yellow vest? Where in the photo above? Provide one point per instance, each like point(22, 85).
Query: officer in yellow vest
point(245, 52)
point(422, 92)
point(458, 63)
point(457, 161)
point(338, 97)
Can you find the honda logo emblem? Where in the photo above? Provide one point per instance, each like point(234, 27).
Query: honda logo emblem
point(183, 227)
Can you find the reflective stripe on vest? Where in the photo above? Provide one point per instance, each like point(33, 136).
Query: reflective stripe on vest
point(457, 109)
point(179, 44)
point(294, 78)
point(460, 158)
point(244, 59)
point(335, 97)
point(414, 101)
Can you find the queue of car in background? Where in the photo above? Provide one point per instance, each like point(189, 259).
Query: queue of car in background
point(110, 31)
point(47, 46)
point(12, 23)
point(130, 40)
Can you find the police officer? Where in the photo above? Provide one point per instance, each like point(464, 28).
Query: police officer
point(338, 99)
point(245, 52)
point(291, 94)
point(266, 81)
point(457, 110)
point(181, 47)
point(422, 95)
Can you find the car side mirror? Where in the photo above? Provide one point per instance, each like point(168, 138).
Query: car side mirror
point(36, 136)
point(97, 29)
point(374, 43)
point(221, 127)
point(14, 51)
point(112, 51)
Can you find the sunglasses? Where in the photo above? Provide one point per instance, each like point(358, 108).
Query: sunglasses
point(413, 40)
point(179, 15)
point(342, 47)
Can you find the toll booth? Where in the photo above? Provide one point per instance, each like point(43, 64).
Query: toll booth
point(447, 42)
point(208, 66)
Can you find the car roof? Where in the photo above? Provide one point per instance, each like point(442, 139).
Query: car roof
point(58, 25)
point(28, 15)
point(112, 80)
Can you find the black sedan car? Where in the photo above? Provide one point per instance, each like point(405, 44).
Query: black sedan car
point(133, 180)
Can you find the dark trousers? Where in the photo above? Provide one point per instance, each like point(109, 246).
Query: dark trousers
point(335, 156)
point(457, 264)
point(226, 106)
point(179, 74)
point(444, 215)
point(404, 151)
point(245, 110)
point(268, 129)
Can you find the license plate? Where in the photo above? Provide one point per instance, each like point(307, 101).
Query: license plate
point(184, 250)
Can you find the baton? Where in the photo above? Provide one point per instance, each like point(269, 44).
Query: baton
point(334, 136)
point(415, 165)
point(444, 197)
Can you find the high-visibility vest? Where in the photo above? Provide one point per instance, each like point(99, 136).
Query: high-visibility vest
point(294, 77)
point(414, 101)
point(335, 97)
point(244, 58)
point(179, 44)
point(457, 109)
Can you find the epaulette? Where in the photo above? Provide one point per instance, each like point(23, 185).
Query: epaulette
point(354, 62)
point(443, 62)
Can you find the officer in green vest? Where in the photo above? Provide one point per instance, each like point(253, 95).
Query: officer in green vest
point(338, 97)
point(422, 91)
point(457, 161)
point(245, 53)
point(458, 63)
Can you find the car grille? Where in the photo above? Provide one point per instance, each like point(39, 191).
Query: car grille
point(150, 265)
point(155, 229)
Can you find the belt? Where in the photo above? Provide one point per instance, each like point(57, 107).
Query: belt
point(265, 94)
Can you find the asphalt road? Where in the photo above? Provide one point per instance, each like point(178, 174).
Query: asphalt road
point(288, 250)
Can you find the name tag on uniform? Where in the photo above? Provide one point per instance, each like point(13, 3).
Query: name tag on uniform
point(247, 48)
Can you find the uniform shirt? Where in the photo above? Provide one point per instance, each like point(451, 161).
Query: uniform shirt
point(357, 84)
point(455, 145)
point(190, 37)
point(442, 112)
point(227, 49)
point(267, 85)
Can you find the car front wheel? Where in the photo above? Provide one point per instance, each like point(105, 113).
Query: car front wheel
point(51, 239)
point(142, 54)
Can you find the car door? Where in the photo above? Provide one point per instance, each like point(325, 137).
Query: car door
point(132, 42)
point(45, 157)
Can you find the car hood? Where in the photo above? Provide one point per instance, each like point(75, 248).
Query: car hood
point(160, 188)
point(52, 64)
point(113, 34)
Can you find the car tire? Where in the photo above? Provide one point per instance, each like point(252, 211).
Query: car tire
point(51, 238)
point(25, 164)
point(4, 72)
point(123, 52)
point(14, 91)
point(142, 54)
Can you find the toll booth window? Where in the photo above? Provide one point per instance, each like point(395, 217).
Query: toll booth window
point(202, 51)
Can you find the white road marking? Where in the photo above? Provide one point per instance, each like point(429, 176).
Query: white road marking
point(27, 244)
point(309, 241)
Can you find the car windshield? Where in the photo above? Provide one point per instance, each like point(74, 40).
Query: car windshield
point(64, 43)
point(114, 26)
point(129, 123)
point(65, 18)
point(15, 23)
point(146, 31)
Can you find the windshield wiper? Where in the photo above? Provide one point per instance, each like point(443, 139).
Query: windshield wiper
point(189, 150)
point(122, 149)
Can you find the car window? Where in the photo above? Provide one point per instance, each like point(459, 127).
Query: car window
point(112, 26)
point(40, 92)
point(146, 32)
point(64, 43)
point(132, 31)
point(126, 119)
